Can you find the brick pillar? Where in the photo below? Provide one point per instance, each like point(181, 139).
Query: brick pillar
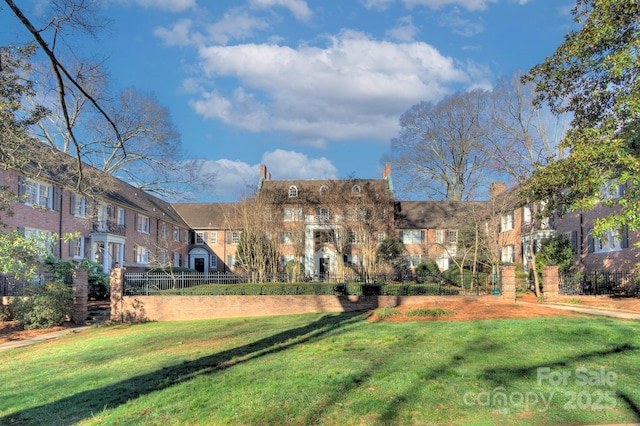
point(550, 281)
point(80, 296)
point(508, 275)
point(117, 290)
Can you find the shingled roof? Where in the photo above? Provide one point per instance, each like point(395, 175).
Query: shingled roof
point(61, 169)
point(206, 215)
point(309, 191)
point(435, 214)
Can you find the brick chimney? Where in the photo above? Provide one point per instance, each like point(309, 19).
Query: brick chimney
point(497, 188)
point(386, 173)
point(264, 174)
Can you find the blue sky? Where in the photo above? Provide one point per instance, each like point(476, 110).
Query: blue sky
point(313, 89)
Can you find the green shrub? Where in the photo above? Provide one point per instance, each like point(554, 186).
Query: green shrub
point(44, 306)
point(384, 313)
point(5, 313)
point(98, 281)
point(428, 267)
point(428, 312)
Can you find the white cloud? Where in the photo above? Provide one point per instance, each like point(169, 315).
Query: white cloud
point(235, 179)
point(295, 165)
point(177, 35)
point(459, 25)
point(170, 5)
point(298, 8)
point(438, 4)
point(404, 31)
point(376, 4)
point(236, 24)
point(353, 88)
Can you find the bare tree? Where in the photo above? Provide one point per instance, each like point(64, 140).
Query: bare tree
point(520, 138)
point(439, 152)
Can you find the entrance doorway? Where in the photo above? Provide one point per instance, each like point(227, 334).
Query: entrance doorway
point(323, 268)
point(198, 264)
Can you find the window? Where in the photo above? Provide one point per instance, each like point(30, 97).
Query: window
point(381, 236)
point(612, 190)
point(234, 237)
point(354, 259)
point(414, 236)
point(610, 241)
point(506, 222)
point(42, 237)
point(200, 237)
point(78, 205)
point(268, 214)
point(352, 237)
point(292, 214)
point(451, 237)
point(37, 194)
point(213, 261)
point(527, 217)
point(323, 214)
point(164, 230)
point(507, 254)
point(293, 191)
point(76, 248)
point(443, 262)
point(120, 216)
point(142, 254)
point(163, 257)
point(356, 189)
point(213, 237)
point(439, 236)
point(413, 260)
point(144, 224)
point(290, 237)
point(176, 234)
point(177, 260)
point(231, 260)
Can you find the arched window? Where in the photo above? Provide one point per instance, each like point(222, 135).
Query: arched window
point(293, 191)
point(356, 189)
point(323, 189)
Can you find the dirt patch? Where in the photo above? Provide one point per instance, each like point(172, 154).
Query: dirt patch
point(484, 308)
point(11, 330)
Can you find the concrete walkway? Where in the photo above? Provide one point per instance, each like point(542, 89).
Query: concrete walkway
point(589, 310)
point(47, 336)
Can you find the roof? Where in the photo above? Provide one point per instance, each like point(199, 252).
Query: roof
point(435, 214)
point(61, 169)
point(309, 191)
point(206, 215)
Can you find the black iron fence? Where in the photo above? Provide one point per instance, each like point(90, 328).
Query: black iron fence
point(625, 284)
point(188, 283)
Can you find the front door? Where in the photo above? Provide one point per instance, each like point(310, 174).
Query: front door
point(323, 268)
point(198, 264)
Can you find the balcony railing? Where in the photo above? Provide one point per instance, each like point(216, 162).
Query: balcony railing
point(109, 227)
point(529, 227)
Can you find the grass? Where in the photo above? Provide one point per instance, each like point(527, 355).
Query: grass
point(335, 369)
point(428, 312)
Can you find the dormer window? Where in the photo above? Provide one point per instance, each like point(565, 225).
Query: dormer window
point(323, 189)
point(293, 191)
point(356, 189)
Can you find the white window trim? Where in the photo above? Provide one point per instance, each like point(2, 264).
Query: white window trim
point(33, 191)
point(610, 241)
point(144, 224)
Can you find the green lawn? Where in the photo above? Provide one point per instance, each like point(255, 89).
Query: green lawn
point(336, 369)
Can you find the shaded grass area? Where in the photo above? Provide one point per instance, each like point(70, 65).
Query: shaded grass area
point(329, 369)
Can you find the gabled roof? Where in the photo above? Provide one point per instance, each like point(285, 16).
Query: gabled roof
point(435, 214)
point(206, 215)
point(61, 169)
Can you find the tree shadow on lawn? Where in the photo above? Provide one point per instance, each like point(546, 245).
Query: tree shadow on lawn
point(87, 403)
point(500, 377)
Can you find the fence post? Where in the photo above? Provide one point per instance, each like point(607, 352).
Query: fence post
point(508, 274)
point(550, 281)
point(117, 292)
point(80, 296)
